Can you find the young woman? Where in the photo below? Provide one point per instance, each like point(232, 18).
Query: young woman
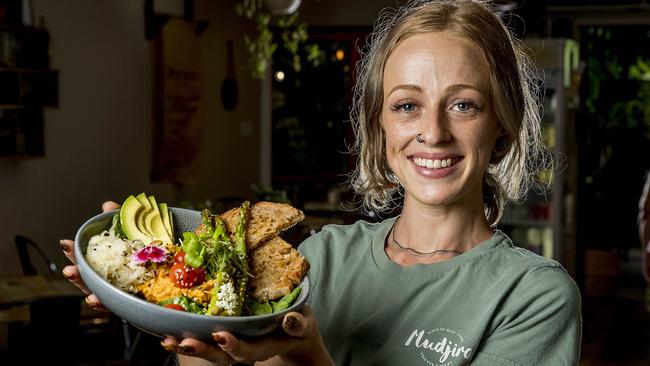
point(447, 126)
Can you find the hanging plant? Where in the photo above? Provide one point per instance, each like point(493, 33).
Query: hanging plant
point(292, 32)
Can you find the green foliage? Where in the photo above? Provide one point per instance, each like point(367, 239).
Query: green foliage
point(607, 71)
point(292, 34)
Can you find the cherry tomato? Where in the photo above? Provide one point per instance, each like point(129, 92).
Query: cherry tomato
point(175, 307)
point(179, 257)
point(184, 276)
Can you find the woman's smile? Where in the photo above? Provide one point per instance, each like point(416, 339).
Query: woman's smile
point(436, 165)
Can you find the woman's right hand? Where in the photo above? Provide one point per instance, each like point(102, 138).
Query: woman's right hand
point(71, 272)
point(300, 343)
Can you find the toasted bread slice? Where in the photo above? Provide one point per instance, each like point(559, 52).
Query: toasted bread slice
point(266, 220)
point(277, 268)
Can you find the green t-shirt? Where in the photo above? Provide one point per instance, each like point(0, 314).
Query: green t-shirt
point(496, 304)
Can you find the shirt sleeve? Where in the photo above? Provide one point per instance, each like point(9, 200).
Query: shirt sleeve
point(310, 248)
point(538, 324)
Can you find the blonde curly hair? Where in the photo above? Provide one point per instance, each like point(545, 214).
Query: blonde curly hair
point(515, 94)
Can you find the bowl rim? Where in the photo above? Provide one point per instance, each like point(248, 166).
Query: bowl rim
point(90, 272)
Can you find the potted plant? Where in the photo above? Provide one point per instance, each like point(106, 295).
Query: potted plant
point(615, 131)
point(269, 14)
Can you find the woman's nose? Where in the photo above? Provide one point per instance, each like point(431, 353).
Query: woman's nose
point(434, 129)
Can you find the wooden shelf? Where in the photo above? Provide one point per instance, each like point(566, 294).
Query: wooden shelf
point(27, 83)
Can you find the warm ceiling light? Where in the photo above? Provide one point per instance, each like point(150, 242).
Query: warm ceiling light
point(279, 75)
point(340, 54)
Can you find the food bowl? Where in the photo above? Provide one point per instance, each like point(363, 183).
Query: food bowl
point(161, 321)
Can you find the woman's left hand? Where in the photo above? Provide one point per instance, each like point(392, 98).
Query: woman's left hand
point(301, 344)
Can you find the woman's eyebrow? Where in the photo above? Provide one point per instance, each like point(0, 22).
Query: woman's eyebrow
point(412, 87)
point(458, 87)
point(451, 89)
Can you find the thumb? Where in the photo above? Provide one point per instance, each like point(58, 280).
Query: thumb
point(109, 206)
point(296, 325)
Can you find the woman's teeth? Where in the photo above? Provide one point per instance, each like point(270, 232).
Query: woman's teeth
point(434, 164)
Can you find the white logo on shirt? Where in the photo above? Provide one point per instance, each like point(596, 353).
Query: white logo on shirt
point(440, 346)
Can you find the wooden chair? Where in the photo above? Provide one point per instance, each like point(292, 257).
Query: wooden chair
point(65, 322)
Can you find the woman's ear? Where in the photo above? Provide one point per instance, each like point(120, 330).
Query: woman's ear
point(501, 146)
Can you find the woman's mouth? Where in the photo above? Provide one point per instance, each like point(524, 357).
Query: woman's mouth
point(435, 163)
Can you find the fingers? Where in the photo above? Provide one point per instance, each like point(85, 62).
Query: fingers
point(109, 206)
point(256, 349)
point(297, 325)
point(301, 331)
point(71, 273)
point(169, 344)
point(67, 246)
point(196, 348)
point(93, 302)
point(237, 349)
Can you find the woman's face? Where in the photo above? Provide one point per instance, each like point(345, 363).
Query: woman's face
point(437, 84)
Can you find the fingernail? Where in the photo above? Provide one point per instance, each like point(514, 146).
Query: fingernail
point(67, 274)
point(219, 339)
point(64, 246)
point(186, 349)
point(168, 346)
point(290, 322)
point(90, 303)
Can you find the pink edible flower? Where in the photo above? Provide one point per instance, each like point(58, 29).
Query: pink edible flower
point(150, 253)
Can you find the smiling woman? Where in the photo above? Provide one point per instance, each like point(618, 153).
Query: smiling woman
point(447, 128)
point(440, 128)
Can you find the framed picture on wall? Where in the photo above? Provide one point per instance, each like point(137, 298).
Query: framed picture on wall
point(178, 127)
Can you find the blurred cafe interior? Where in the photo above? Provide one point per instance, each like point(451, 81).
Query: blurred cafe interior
point(201, 106)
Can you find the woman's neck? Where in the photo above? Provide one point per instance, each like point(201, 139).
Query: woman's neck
point(425, 234)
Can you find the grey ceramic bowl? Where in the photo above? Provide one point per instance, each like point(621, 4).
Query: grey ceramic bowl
point(161, 321)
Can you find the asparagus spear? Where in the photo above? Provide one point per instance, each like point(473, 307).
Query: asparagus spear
point(240, 250)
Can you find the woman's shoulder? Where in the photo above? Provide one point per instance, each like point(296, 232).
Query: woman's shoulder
point(513, 255)
point(358, 228)
point(337, 235)
point(529, 267)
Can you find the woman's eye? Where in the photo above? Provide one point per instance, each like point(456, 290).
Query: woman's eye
point(404, 107)
point(408, 107)
point(464, 106)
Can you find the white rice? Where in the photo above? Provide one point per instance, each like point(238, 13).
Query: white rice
point(110, 257)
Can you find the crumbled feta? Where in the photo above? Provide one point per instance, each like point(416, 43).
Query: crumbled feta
point(227, 298)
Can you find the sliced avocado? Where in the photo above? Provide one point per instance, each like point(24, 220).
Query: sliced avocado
point(159, 229)
point(171, 221)
point(144, 201)
point(140, 223)
point(130, 211)
point(166, 219)
point(148, 214)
